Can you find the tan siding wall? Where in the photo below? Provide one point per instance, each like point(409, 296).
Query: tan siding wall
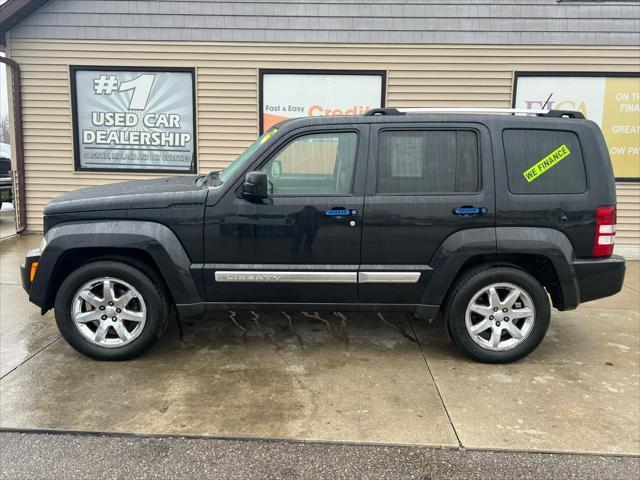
point(628, 213)
point(227, 93)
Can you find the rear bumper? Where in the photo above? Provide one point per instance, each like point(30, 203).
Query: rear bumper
point(599, 278)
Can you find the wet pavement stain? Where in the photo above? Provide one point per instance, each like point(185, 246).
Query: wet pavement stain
point(23, 331)
point(292, 328)
point(241, 374)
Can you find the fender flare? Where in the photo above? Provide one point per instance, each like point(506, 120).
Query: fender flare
point(156, 239)
point(550, 243)
point(451, 256)
point(465, 244)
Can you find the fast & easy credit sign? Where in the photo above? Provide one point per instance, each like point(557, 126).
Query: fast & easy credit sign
point(309, 93)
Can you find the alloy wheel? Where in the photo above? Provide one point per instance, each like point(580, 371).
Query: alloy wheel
point(109, 312)
point(500, 316)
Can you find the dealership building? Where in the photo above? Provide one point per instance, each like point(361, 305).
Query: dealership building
point(118, 90)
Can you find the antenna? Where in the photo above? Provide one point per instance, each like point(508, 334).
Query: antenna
point(548, 98)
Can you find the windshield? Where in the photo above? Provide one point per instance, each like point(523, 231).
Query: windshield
point(239, 162)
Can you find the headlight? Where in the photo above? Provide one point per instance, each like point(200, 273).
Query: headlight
point(43, 244)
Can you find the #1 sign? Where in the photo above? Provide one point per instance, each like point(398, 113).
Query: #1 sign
point(134, 119)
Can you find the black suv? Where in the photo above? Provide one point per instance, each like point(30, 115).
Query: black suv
point(485, 219)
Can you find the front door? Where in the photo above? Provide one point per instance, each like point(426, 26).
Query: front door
point(302, 244)
point(425, 182)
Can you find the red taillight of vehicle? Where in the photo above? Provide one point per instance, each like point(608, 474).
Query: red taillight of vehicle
point(605, 231)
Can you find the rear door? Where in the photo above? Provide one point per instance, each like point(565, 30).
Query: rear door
point(424, 183)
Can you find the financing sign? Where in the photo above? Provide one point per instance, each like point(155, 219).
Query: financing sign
point(309, 94)
point(134, 119)
point(613, 102)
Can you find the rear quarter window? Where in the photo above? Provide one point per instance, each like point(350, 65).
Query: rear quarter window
point(544, 161)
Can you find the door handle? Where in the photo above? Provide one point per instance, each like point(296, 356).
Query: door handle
point(340, 213)
point(337, 212)
point(468, 211)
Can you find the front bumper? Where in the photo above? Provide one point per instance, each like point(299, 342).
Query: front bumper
point(33, 256)
point(599, 278)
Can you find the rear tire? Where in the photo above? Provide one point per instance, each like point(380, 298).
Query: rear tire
point(498, 315)
point(109, 310)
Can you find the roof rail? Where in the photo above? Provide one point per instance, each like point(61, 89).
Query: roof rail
point(383, 111)
point(565, 113)
point(514, 111)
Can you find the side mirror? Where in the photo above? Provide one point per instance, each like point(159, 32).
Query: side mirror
point(255, 186)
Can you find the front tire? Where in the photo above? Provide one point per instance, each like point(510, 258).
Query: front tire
point(110, 310)
point(498, 315)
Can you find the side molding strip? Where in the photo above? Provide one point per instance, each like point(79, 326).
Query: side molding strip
point(285, 277)
point(388, 277)
point(253, 276)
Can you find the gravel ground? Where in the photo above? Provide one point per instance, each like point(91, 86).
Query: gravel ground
point(66, 456)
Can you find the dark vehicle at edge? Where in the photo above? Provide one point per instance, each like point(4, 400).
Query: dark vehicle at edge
point(6, 182)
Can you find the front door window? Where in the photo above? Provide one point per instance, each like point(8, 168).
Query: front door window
point(314, 165)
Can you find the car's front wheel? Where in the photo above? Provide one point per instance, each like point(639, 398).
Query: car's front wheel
point(498, 315)
point(110, 310)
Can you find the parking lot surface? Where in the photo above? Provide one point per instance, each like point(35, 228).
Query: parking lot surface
point(7, 220)
point(338, 377)
point(71, 456)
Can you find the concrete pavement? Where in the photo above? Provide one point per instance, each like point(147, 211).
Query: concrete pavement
point(23, 331)
point(7, 220)
point(363, 378)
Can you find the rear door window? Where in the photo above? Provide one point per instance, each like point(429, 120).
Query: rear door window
point(544, 161)
point(427, 161)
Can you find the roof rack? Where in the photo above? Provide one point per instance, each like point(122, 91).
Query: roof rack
point(512, 111)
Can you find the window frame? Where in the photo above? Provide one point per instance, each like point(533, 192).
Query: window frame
point(422, 128)
point(508, 172)
point(287, 140)
point(313, 71)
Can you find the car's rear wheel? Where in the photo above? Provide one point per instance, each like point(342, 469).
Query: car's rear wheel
point(110, 310)
point(498, 315)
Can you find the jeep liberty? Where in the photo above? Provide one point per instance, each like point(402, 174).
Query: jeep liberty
point(485, 219)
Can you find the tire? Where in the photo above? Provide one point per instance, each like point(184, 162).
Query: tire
point(490, 336)
point(132, 322)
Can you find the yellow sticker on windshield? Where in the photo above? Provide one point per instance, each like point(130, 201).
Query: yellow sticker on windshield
point(546, 163)
point(268, 135)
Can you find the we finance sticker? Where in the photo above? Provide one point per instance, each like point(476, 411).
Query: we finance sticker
point(546, 163)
